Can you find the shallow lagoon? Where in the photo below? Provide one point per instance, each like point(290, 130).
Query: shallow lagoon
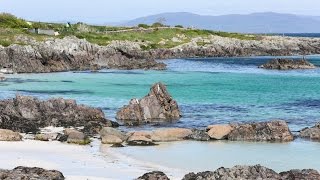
point(209, 91)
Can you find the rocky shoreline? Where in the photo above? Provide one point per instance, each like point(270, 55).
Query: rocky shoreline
point(73, 54)
point(24, 117)
point(241, 173)
point(238, 172)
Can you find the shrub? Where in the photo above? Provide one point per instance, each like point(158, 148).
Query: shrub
point(10, 21)
point(178, 26)
point(143, 26)
point(157, 24)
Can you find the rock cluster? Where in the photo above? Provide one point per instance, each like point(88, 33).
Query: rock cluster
point(157, 106)
point(241, 173)
point(287, 64)
point(312, 133)
point(28, 114)
point(253, 173)
point(20, 173)
point(272, 131)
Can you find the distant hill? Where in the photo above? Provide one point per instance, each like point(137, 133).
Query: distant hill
point(251, 23)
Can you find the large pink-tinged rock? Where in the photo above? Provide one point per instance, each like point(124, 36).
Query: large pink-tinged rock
point(171, 134)
point(219, 132)
point(157, 106)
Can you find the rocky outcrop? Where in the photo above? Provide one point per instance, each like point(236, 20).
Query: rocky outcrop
point(219, 132)
point(263, 131)
point(155, 175)
point(28, 114)
point(287, 64)
point(71, 53)
point(20, 173)
point(253, 173)
point(112, 136)
point(312, 133)
point(157, 106)
point(8, 135)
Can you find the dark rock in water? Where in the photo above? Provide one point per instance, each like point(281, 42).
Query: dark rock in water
point(236, 173)
point(199, 135)
point(287, 64)
point(117, 145)
point(141, 143)
point(312, 133)
point(21, 173)
point(305, 174)
point(155, 175)
point(28, 114)
point(263, 131)
point(158, 105)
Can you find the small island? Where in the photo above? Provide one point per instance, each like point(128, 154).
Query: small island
point(288, 64)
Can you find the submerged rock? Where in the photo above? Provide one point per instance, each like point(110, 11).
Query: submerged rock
point(157, 106)
point(8, 135)
point(155, 175)
point(263, 131)
point(287, 64)
point(28, 114)
point(20, 173)
point(312, 133)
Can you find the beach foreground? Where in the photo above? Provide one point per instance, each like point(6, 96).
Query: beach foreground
point(98, 161)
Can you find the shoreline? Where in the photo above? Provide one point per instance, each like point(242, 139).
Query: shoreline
point(87, 163)
point(101, 162)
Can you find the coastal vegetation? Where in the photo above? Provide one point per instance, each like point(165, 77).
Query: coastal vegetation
point(154, 36)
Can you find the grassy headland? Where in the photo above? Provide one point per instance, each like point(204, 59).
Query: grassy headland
point(151, 37)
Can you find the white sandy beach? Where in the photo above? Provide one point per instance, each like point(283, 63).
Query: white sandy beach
point(76, 162)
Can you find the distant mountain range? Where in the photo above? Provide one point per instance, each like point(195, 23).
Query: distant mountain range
point(251, 23)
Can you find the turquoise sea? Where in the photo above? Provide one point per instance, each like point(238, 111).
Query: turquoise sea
point(209, 91)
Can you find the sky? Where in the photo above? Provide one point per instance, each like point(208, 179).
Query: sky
point(104, 11)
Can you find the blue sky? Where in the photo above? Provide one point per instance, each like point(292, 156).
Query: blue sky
point(102, 11)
